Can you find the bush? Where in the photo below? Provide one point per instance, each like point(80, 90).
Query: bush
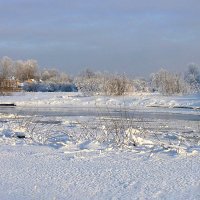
point(140, 85)
point(168, 83)
point(192, 77)
point(91, 83)
point(117, 85)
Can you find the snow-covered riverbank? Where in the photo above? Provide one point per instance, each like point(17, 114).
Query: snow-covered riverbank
point(77, 99)
point(98, 157)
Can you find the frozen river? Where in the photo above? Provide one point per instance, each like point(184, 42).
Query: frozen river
point(154, 113)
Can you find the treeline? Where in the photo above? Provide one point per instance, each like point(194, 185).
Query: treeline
point(163, 81)
point(98, 83)
point(33, 78)
point(24, 70)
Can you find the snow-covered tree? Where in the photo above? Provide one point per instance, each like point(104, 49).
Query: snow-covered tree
point(88, 82)
point(168, 83)
point(117, 85)
point(192, 76)
point(6, 67)
point(140, 85)
point(52, 75)
point(94, 83)
point(25, 70)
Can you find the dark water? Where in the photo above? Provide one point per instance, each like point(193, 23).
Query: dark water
point(154, 113)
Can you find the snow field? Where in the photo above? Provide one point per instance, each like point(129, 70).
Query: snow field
point(39, 172)
point(98, 157)
point(77, 99)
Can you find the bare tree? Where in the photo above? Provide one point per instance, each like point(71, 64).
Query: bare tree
point(117, 85)
point(192, 76)
point(31, 69)
point(6, 67)
point(19, 70)
point(168, 83)
point(94, 83)
point(45, 75)
point(50, 75)
point(87, 73)
point(88, 82)
point(25, 70)
point(65, 78)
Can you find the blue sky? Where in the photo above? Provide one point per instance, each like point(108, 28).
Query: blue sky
point(135, 37)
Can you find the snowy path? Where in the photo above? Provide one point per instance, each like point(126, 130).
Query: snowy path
point(38, 172)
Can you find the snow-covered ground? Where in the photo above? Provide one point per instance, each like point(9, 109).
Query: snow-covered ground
point(39, 172)
point(99, 157)
point(76, 99)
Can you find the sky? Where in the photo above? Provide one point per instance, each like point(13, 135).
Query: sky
point(136, 37)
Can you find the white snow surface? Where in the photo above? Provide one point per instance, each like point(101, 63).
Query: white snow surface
point(77, 99)
point(39, 172)
point(164, 165)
